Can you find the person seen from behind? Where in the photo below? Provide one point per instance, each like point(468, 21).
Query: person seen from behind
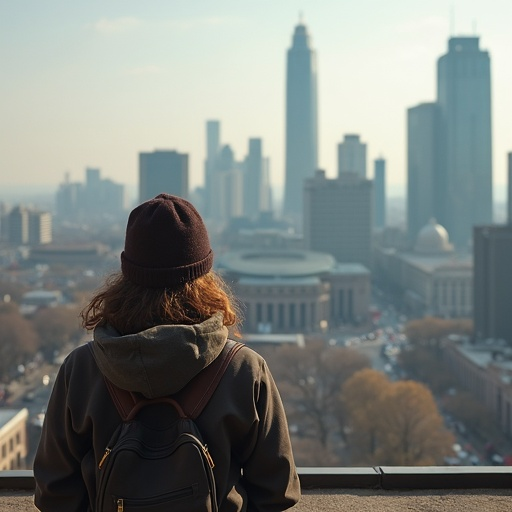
point(156, 324)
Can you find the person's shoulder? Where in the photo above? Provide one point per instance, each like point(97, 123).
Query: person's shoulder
point(79, 358)
point(246, 358)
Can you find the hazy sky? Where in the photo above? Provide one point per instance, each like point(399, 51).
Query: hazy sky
point(94, 83)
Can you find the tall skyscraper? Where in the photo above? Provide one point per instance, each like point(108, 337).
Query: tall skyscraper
point(379, 193)
point(352, 156)
point(338, 217)
point(425, 187)
point(464, 99)
point(162, 171)
point(301, 120)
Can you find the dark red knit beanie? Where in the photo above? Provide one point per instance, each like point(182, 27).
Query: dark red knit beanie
point(166, 243)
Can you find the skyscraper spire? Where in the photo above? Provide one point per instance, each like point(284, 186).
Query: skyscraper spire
point(301, 120)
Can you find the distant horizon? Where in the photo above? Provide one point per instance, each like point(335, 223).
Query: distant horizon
point(12, 192)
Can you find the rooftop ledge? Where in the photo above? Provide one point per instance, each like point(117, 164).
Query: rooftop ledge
point(384, 488)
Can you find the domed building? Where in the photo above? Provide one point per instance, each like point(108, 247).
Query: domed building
point(433, 278)
point(433, 239)
point(292, 290)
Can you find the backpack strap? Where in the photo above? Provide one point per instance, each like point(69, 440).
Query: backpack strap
point(193, 398)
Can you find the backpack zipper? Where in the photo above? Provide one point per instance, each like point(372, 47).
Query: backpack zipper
point(105, 455)
point(120, 505)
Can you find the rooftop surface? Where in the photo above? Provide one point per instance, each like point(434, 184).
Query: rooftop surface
point(355, 500)
point(383, 489)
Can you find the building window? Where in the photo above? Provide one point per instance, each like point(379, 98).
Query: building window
point(270, 313)
point(280, 316)
point(292, 314)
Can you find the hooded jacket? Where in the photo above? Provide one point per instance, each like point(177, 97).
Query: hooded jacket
point(243, 424)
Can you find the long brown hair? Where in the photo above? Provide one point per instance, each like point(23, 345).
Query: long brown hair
point(131, 308)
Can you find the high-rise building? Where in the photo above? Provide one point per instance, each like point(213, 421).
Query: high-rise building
point(211, 165)
point(492, 292)
point(162, 171)
point(425, 193)
point(338, 217)
point(464, 99)
point(301, 121)
point(253, 179)
point(352, 156)
point(379, 193)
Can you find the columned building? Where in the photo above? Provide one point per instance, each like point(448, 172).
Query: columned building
point(290, 291)
point(432, 279)
point(301, 120)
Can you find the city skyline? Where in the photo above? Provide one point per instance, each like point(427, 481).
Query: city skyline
point(83, 91)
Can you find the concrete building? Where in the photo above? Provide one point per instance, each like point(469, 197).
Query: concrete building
point(29, 227)
point(301, 120)
point(352, 156)
point(13, 439)
point(432, 279)
point(485, 370)
point(425, 195)
point(464, 99)
point(492, 251)
point(338, 217)
point(287, 291)
point(162, 172)
point(379, 194)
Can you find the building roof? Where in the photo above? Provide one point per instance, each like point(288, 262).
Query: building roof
point(433, 239)
point(284, 263)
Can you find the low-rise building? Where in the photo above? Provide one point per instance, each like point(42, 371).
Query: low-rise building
point(13, 438)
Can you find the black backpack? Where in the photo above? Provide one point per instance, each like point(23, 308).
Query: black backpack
point(156, 460)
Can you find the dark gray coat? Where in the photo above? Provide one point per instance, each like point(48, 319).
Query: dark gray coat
point(244, 424)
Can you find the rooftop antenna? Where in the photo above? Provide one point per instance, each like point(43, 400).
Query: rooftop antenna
point(301, 18)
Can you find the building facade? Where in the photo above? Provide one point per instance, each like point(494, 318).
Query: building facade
point(29, 227)
point(425, 195)
point(301, 120)
point(492, 253)
point(162, 172)
point(379, 194)
point(13, 439)
point(338, 217)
